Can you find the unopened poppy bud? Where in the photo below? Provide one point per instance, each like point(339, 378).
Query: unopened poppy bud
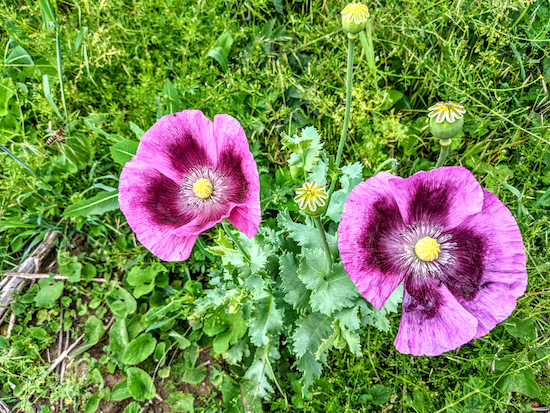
point(312, 199)
point(354, 19)
point(446, 119)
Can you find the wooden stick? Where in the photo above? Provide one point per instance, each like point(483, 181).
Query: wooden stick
point(11, 325)
point(4, 408)
point(30, 265)
point(65, 353)
point(58, 277)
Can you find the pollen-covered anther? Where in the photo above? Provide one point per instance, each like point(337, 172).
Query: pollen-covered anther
point(203, 188)
point(427, 249)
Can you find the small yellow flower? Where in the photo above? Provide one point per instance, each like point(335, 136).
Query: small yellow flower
point(311, 195)
point(446, 111)
point(355, 13)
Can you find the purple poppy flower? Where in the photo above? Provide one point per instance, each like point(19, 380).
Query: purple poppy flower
point(457, 247)
point(189, 173)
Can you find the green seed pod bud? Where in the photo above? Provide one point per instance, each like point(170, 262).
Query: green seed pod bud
point(354, 18)
point(312, 199)
point(446, 119)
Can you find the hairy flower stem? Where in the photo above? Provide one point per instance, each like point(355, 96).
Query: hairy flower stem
point(234, 239)
point(319, 226)
point(349, 82)
point(443, 154)
point(394, 163)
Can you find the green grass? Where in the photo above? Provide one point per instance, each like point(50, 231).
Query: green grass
point(286, 70)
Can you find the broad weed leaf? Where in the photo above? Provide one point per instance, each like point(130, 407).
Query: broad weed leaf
point(140, 384)
point(139, 349)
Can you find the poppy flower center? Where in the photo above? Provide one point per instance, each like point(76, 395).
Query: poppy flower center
point(203, 188)
point(427, 249)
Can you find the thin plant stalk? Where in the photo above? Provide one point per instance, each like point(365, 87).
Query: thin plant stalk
point(60, 73)
point(393, 161)
point(368, 45)
point(234, 239)
point(328, 255)
point(442, 155)
point(349, 83)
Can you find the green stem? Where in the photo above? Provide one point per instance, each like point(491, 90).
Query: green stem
point(60, 73)
point(387, 161)
point(234, 239)
point(370, 50)
point(319, 226)
point(349, 83)
point(442, 156)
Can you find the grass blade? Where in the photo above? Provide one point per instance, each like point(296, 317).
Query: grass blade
point(60, 72)
point(28, 168)
point(516, 53)
point(48, 95)
point(48, 14)
point(97, 205)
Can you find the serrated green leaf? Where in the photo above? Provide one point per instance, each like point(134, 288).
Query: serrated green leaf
point(329, 292)
point(311, 368)
point(97, 205)
point(296, 293)
point(310, 333)
point(139, 349)
point(261, 372)
point(348, 317)
point(123, 151)
point(306, 235)
point(351, 177)
point(265, 318)
point(305, 148)
point(377, 318)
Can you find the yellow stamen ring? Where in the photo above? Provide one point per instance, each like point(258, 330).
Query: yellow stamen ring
point(427, 249)
point(203, 188)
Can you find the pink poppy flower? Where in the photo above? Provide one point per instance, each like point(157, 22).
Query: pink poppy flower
point(188, 174)
point(458, 248)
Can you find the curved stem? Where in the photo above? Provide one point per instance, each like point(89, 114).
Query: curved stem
point(349, 83)
point(387, 161)
point(442, 156)
point(234, 239)
point(319, 226)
